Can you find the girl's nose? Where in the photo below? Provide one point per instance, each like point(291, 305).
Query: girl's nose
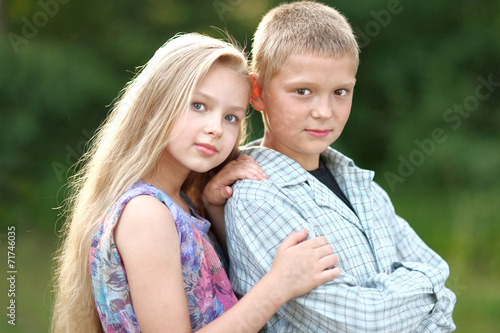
point(214, 126)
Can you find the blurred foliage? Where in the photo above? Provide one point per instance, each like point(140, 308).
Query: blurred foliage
point(423, 68)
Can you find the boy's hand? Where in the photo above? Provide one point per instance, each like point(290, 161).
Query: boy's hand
point(218, 189)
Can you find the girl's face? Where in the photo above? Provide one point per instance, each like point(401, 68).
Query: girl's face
point(206, 134)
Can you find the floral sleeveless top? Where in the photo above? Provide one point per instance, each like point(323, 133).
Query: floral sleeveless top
point(206, 284)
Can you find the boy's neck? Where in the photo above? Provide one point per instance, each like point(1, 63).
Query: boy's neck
point(307, 161)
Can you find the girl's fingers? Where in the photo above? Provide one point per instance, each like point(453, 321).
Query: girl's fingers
point(229, 192)
point(293, 239)
point(246, 158)
point(241, 170)
point(247, 162)
point(305, 264)
point(315, 242)
point(329, 274)
point(328, 261)
point(218, 189)
point(324, 250)
point(254, 170)
point(230, 175)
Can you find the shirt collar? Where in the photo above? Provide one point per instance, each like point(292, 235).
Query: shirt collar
point(354, 181)
point(286, 171)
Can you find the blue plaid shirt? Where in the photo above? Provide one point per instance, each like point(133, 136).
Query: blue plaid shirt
point(390, 280)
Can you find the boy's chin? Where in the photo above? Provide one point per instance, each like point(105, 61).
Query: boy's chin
point(318, 147)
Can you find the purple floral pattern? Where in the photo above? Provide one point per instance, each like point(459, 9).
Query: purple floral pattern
point(206, 284)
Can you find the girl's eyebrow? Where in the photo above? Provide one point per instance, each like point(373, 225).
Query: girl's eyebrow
point(202, 95)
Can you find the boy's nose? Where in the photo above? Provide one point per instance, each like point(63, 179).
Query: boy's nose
point(323, 109)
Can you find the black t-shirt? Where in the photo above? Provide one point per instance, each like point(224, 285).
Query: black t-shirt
point(325, 176)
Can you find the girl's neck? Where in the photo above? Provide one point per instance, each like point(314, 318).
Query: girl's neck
point(169, 179)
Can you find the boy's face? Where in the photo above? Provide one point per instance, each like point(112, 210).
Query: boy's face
point(306, 106)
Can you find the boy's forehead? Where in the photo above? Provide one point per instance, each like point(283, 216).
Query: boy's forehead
point(295, 59)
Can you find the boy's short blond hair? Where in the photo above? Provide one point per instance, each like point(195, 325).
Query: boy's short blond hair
point(303, 27)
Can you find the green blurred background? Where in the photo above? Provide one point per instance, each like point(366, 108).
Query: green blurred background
point(425, 117)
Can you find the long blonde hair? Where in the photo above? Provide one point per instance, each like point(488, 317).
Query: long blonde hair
point(127, 147)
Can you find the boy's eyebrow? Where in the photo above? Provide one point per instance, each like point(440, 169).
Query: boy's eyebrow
point(294, 82)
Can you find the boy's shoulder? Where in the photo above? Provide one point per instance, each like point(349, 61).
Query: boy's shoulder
point(276, 163)
point(279, 167)
point(284, 172)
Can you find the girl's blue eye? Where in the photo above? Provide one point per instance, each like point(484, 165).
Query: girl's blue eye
point(340, 92)
point(198, 106)
point(231, 118)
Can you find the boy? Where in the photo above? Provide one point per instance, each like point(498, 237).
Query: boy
point(305, 58)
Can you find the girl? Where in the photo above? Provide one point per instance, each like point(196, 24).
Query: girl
point(137, 256)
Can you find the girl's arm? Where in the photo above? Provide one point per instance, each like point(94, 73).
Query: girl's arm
point(298, 267)
point(148, 242)
point(218, 190)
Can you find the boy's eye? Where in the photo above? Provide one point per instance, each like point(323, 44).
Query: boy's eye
point(303, 91)
point(340, 92)
point(199, 106)
point(231, 118)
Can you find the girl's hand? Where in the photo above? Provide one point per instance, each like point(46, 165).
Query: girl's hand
point(218, 189)
point(300, 266)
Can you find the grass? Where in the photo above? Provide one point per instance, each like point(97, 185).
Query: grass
point(461, 226)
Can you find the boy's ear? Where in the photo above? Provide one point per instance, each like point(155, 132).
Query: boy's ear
point(256, 96)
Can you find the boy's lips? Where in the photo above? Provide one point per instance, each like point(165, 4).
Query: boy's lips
point(318, 133)
point(206, 149)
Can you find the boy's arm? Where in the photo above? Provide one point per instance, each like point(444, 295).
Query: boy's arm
point(411, 249)
point(392, 301)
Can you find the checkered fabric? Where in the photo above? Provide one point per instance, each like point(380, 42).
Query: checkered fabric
point(390, 280)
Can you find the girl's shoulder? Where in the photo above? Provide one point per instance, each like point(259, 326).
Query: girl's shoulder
point(145, 201)
point(146, 207)
point(144, 189)
point(179, 215)
point(145, 197)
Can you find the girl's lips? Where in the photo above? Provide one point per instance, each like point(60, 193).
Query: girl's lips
point(206, 149)
point(318, 133)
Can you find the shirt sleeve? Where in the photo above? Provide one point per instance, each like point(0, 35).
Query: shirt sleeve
point(415, 254)
point(405, 297)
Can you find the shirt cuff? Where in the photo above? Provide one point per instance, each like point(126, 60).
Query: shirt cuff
point(435, 276)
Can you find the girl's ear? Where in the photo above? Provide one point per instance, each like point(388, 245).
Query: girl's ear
point(256, 96)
